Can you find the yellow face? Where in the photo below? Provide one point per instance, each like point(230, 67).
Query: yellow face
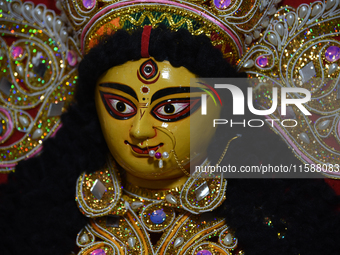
point(146, 106)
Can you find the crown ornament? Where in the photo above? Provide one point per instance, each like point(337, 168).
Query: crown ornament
point(277, 46)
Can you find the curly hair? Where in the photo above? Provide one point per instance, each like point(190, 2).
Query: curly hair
point(38, 213)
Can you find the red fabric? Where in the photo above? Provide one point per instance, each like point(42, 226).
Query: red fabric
point(145, 41)
point(335, 184)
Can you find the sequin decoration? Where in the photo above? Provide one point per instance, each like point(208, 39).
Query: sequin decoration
point(222, 4)
point(34, 75)
point(177, 227)
point(158, 216)
point(71, 58)
point(99, 192)
point(17, 52)
point(89, 4)
point(262, 61)
point(332, 54)
point(305, 57)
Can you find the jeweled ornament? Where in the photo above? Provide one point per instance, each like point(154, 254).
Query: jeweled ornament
point(39, 68)
point(17, 52)
point(228, 239)
point(89, 4)
point(262, 61)
point(222, 4)
point(158, 216)
point(84, 238)
point(332, 54)
point(71, 58)
point(204, 252)
point(98, 252)
point(158, 155)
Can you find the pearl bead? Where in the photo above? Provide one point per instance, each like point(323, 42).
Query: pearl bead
point(135, 205)
point(84, 238)
point(178, 241)
point(165, 154)
point(37, 133)
point(131, 242)
point(152, 153)
point(304, 137)
point(171, 199)
point(160, 163)
point(228, 240)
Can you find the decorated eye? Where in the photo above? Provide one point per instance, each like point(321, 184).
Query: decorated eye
point(121, 107)
point(174, 109)
point(118, 107)
point(148, 69)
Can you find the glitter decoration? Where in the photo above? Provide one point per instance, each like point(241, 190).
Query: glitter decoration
point(154, 216)
point(98, 252)
point(72, 58)
point(262, 61)
point(222, 4)
point(34, 75)
point(204, 252)
point(17, 51)
point(332, 54)
point(89, 4)
point(158, 216)
point(6, 127)
point(112, 221)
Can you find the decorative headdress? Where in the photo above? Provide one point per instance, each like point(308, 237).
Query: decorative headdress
point(280, 47)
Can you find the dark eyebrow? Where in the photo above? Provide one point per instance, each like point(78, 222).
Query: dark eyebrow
point(175, 90)
point(121, 87)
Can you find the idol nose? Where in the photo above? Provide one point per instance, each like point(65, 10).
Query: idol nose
point(142, 127)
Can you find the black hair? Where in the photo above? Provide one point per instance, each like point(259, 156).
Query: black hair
point(38, 214)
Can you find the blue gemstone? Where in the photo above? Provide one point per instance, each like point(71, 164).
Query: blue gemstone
point(332, 54)
point(158, 216)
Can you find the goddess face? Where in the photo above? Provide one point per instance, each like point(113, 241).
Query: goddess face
point(146, 105)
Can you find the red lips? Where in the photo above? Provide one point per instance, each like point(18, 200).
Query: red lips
point(143, 150)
